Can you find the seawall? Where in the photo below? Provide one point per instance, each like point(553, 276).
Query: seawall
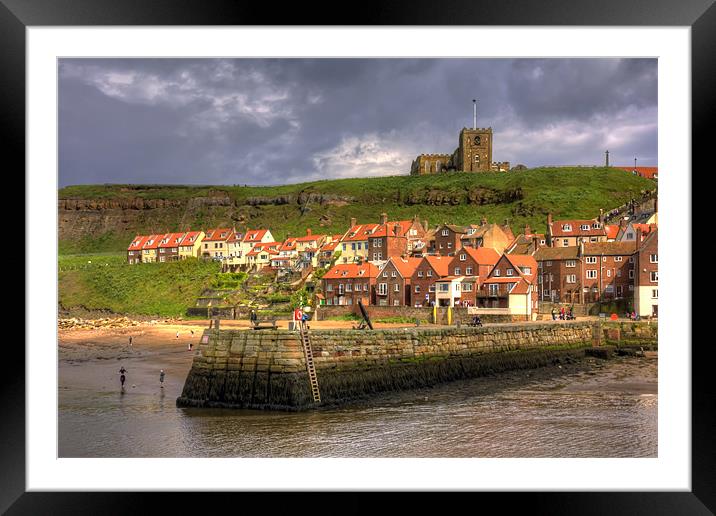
point(267, 369)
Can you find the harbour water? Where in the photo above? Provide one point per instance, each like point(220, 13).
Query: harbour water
point(592, 408)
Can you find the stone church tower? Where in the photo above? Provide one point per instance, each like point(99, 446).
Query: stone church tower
point(473, 154)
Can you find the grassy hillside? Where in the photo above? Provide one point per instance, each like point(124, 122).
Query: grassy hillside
point(108, 283)
point(327, 206)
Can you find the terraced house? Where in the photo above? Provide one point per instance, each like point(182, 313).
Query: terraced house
point(150, 248)
point(190, 245)
point(216, 243)
point(168, 249)
point(346, 284)
point(646, 288)
point(354, 242)
point(393, 285)
point(568, 233)
point(511, 287)
point(559, 274)
point(428, 271)
point(607, 270)
point(395, 238)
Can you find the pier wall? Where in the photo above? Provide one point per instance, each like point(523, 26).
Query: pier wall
point(266, 369)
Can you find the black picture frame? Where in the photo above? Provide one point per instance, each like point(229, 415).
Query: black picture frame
point(17, 15)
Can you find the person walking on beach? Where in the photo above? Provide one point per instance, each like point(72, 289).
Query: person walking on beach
point(177, 334)
point(161, 378)
point(122, 378)
point(191, 345)
point(130, 341)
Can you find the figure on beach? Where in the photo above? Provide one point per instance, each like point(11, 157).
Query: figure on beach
point(122, 377)
point(130, 341)
point(161, 378)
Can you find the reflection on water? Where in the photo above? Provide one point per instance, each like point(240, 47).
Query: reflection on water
point(611, 412)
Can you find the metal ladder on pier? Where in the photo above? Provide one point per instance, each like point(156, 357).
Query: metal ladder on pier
point(308, 353)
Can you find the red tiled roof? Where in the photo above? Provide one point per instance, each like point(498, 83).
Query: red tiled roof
point(153, 241)
point(440, 264)
point(190, 238)
point(254, 235)
point(649, 172)
point(363, 270)
point(330, 246)
point(359, 232)
point(138, 242)
point(310, 238)
point(171, 240)
point(482, 255)
point(405, 266)
point(609, 248)
point(387, 228)
point(558, 231)
point(612, 230)
point(288, 245)
point(218, 234)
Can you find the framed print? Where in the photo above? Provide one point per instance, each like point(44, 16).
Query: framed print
point(416, 253)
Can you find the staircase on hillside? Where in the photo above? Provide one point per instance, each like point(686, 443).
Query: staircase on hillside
point(308, 353)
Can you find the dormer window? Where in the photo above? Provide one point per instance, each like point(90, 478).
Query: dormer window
point(596, 225)
point(463, 257)
point(445, 232)
point(510, 272)
point(585, 227)
point(567, 227)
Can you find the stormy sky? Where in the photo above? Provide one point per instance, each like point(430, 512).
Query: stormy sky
point(274, 121)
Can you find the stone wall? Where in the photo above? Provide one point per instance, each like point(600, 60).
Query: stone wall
point(376, 313)
point(266, 369)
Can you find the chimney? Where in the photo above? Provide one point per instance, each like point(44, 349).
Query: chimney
point(601, 216)
point(548, 234)
point(353, 221)
point(383, 218)
point(638, 236)
point(580, 252)
point(535, 242)
point(308, 231)
point(396, 229)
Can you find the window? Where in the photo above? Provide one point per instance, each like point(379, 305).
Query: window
point(510, 271)
point(618, 258)
point(417, 289)
point(393, 274)
point(655, 293)
point(396, 287)
point(443, 287)
point(420, 274)
point(566, 227)
point(631, 274)
point(565, 242)
point(596, 225)
point(385, 274)
point(549, 263)
point(584, 227)
point(468, 271)
point(493, 289)
point(449, 245)
point(619, 273)
point(591, 274)
point(430, 273)
point(382, 289)
point(610, 288)
point(653, 258)
point(571, 278)
point(497, 273)
point(630, 236)
point(570, 263)
point(431, 288)
point(445, 232)
point(654, 276)
point(349, 287)
point(591, 259)
point(467, 287)
point(527, 271)
point(341, 288)
point(457, 271)
point(609, 273)
point(353, 247)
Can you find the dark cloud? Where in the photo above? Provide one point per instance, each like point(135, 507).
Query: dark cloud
point(267, 121)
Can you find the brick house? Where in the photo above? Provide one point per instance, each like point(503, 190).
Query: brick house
point(393, 238)
point(472, 266)
point(489, 235)
point(511, 286)
point(448, 239)
point(427, 272)
point(572, 232)
point(393, 285)
point(607, 271)
point(134, 251)
point(646, 288)
point(559, 274)
point(168, 248)
point(346, 284)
